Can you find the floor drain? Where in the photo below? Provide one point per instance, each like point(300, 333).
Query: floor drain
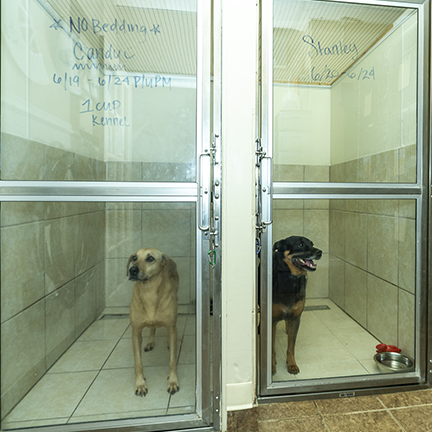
point(316, 308)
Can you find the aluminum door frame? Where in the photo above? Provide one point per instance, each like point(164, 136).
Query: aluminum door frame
point(115, 191)
point(420, 192)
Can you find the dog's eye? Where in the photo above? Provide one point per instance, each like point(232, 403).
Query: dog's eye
point(301, 244)
point(134, 258)
point(150, 259)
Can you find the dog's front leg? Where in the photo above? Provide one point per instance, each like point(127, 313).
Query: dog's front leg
point(274, 347)
point(140, 382)
point(173, 385)
point(151, 340)
point(292, 326)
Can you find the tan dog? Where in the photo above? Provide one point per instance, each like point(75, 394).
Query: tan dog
point(153, 304)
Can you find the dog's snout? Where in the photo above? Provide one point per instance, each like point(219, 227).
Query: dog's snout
point(134, 271)
point(318, 253)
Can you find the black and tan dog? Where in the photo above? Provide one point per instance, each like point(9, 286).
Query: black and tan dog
point(292, 259)
point(154, 304)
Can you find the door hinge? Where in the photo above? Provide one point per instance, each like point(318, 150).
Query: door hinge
point(259, 152)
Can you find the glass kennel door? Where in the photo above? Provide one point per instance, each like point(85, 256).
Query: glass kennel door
point(342, 128)
point(106, 150)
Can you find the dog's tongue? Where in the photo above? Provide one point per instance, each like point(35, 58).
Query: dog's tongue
point(310, 263)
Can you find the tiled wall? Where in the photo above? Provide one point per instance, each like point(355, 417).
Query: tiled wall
point(392, 166)
point(372, 266)
point(372, 249)
point(63, 263)
point(52, 266)
point(309, 218)
point(364, 131)
point(373, 115)
point(368, 265)
point(169, 227)
point(45, 162)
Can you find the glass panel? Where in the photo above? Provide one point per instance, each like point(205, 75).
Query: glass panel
point(345, 92)
point(361, 294)
point(99, 90)
point(66, 334)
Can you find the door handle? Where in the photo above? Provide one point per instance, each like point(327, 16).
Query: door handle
point(266, 189)
point(204, 192)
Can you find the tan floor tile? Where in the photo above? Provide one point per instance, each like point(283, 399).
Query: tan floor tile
point(348, 405)
point(370, 366)
point(287, 410)
point(188, 351)
point(105, 329)
point(361, 345)
point(118, 388)
point(122, 356)
point(190, 327)
point(405, 399)
point(330, 368)
point(242, 420)
point(48, 403)
point(362, 422)
point(186, 395)
point(328, 332)
point(54, 396)
point(84, 356)
point(304, 424)
point(414, 419)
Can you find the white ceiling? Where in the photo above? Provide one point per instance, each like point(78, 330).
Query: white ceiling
point(315, 41)
point(310, 37)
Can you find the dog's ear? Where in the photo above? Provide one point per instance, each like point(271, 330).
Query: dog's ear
point(278, 246)
point(171, 265)
point(281, 245)
point(279, 249)
point(129, 261)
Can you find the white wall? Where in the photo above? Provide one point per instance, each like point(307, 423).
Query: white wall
point(45, 98)
point(238, 217)
point(301, 125)
point(162, 121)
point(371, 109)
point(41, 96)
point(374, 110)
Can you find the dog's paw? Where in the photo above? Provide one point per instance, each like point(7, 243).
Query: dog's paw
point(173, 384)
point(149, 346)
point(173, 387)
point(141, 388)
point(293, 369)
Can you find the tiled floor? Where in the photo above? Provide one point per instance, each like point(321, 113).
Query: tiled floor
point(101, 363)
point(329, 344)
point(406, 412)
point(94, 379)
point(342, 348)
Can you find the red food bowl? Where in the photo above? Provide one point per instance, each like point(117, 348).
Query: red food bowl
point(387, 348)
